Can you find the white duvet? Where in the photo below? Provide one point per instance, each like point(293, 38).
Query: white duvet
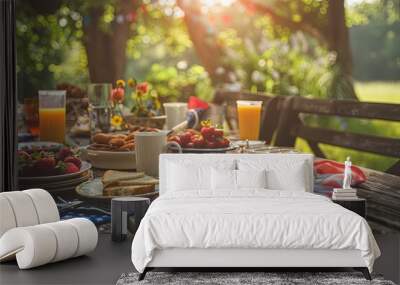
point(250, 219)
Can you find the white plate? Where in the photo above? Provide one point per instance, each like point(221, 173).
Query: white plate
point(94, 189)
point(117, 160)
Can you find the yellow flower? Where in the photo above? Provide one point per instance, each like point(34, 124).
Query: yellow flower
point(116, 120)
point(131, 83)
point(206, 123)
point(120, 83)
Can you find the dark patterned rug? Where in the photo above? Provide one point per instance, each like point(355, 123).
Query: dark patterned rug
point(231, 278)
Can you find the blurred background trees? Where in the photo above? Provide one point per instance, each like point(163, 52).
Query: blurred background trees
point(283, 47)
point(317, 48)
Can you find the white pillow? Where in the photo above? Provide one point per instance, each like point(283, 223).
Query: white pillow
point(223, 179)
point(183, 178)
point(289, 175)
point(190, 176)
point(251, 178)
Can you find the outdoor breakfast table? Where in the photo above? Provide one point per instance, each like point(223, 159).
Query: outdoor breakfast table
point(381, 190)
point(241, 147)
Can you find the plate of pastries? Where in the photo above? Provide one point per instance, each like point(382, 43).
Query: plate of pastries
point(114, 150)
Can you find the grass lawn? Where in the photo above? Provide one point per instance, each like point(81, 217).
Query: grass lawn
point(380, 92)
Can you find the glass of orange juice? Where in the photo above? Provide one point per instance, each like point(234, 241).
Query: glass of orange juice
point(52, 115)
point(249, 113)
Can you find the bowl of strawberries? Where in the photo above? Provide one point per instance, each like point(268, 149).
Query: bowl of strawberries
point(209, 139)
point(50, 166)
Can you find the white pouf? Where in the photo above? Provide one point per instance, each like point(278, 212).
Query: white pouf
point(31, 231)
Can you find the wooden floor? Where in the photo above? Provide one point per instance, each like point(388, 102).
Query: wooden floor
point(110, 260)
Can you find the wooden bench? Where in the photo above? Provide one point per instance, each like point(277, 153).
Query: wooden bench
point(283, 121)
point(382, 190)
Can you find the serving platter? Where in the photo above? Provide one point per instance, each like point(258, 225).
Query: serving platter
point(59, 183)
point(93, 189)
point(205, 150)
point(85, 167)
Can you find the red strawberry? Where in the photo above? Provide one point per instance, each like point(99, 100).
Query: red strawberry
point(71, 168)
point(198, 141)
point(74, 160)
point(63, 153)
point(222, 142)
point(207, 132)
point(225, 143)
point(219, 133)
point(185, 138)
point(45, 166)
point(211, 144)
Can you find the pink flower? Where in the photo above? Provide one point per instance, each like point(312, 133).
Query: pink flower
point(142, 87)
point(118, 94)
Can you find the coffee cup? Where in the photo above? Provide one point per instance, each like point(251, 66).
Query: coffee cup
point(175, 112)
point(148, 147)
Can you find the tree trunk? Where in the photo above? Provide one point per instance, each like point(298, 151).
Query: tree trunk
point(338, 41)
point(105, 47)
point(204, 42)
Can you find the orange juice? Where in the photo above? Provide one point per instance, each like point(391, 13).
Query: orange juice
point(249, 113)
point(52, 124)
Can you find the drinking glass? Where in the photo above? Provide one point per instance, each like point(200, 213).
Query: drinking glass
point(52, 115)
point(249, 113)
point(99, 107)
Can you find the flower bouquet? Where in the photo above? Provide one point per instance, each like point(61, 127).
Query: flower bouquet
point(146, 107)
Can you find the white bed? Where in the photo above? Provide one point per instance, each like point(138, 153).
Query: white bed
point(248, 227)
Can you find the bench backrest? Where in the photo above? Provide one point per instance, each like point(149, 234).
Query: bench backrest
point(291, 125)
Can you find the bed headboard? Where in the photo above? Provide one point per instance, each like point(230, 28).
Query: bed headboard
point(212, 159)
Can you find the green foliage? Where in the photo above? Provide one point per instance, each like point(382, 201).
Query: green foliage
point(42, 41)
point(165, 57)
point(170, 81)
point(270, 59)
point(375, 39)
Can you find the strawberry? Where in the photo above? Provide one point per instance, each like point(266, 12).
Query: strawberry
point(219, 133)
point(63, 153)
point(190, 145)
point(197, 140)
point(185, 138)
point(71, 168)
point(211, 144)
point(45, 166)
point(74, 160)
point(192, 132)
point(208, 132)
point(224, 143)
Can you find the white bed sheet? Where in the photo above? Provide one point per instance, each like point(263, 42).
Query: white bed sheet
point(253, 218)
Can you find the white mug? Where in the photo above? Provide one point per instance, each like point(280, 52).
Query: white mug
point(175, 112)
point(148, 147)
